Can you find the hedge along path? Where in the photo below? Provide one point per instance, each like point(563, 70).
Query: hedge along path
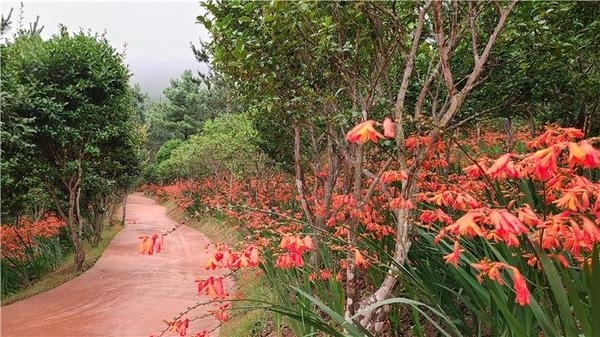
point(124, 293)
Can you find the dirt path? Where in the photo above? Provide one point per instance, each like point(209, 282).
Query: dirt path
point(124, 294)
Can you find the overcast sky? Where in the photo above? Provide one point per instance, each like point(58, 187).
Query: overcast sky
point(157, 33)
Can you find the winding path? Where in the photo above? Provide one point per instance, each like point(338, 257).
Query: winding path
point(123, 294)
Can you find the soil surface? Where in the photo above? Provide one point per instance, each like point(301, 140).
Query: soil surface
point(124, 294)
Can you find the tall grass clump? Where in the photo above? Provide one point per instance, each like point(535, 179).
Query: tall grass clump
point(30, 251)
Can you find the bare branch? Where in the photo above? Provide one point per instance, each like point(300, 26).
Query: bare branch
point(442, 45)
point(425, 90)
point(472, 18)
point(457, 100)
point(408, 70)
point(299, 178)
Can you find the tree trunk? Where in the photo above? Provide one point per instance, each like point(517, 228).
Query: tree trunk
point(124, 209)
point(79, 255)
point(532, 129)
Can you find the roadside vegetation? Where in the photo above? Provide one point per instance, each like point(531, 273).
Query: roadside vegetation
point(363, 168)
point(72, 148)
point(62, 269)
point(403, 168)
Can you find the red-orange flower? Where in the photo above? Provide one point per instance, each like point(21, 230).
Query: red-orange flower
point(527, 216)
point(179, 326)
point(284, 261)
point(544, 162)
point(590, 229)
point(569, 200)
point(158, 242)
point(503, 167)
point(401, 203)
point(453, 257)
point(222, 314)
point(583, 154)
point(467, 224)
point(520, 287)
point(211, 263)
point(363, 132)
point(146, 245)
point(389, 128)
point(506, 225)
point(392, 176)
point(359, 259)
point(474, 171)
point(212, 287)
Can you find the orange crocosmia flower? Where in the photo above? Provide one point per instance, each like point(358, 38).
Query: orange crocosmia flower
point(211, 263)
point(583, 154)
point(544, 162)
point(504, 221)
point(254, 256)
point(473, 171)
point(464, 201)
point(146, 245)
point(219, 288)
point(180, 326)
point(569, 201)
point(242, 262)
point(359, 259)
point(284, 261)
point(308, 243)
point(453, 257)
point(325, 274)
point(444, 198)
point(285, 241)
point(503, 167)
point(389, 128)
point(467, 225)
point(392, 176)
point(211, 287)
point(494, 273)
point(590, 229)
point(554, 135)
point(297, 259)
point(482, 266)
point(222, 314)
point(363, 132)
point(520, 287)
point(202, 333)
point(527, 216)
point(158, 242)
point(429, 216)
point(562, 260)
point(401, 203)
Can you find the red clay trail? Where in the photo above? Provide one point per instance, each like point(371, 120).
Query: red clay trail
point(124, 294)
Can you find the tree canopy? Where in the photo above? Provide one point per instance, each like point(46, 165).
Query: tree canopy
point(68, 108)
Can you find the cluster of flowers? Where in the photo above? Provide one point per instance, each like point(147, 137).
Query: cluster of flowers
point(224, 257)
point(566, 231)
point(294, 247)
point(15, 240)
point(150, 245)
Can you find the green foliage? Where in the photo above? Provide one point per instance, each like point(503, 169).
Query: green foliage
point(226, 144)
point(166, 149)
point(189, 103)
point(546, 68)
point(41, 257)
point(69, 114)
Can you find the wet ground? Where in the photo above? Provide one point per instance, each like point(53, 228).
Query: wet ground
point(124, 294)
